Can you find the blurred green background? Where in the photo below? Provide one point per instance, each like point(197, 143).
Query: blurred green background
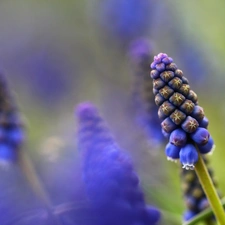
point(59, 53)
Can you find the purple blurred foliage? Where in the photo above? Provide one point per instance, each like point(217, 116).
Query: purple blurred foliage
point(111, 184)
point(125, 19)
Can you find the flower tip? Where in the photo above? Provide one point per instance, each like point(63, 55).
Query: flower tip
point(85, 110)
point(188, 166)
point(171, 159)
point(140, 47)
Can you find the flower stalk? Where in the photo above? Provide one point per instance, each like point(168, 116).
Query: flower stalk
point(209, 189)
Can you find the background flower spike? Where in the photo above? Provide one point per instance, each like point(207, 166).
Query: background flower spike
point(12, 132)
point(111, 184)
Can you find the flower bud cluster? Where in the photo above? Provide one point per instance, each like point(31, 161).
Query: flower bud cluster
point(111, 184)
point(183, 120)
point(140, 53)
point(11, 126)
point(195, 198)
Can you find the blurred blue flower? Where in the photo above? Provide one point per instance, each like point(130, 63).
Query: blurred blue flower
point(125, 19)
point(194, 196)
point(12, 133)
point(180, 112)
point(44, 73)
point(140, 54)
point(112, 186)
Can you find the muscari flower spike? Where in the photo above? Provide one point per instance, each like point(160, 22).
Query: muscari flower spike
point(130, 18)
point(183, 120)
point(140, 52)
point(111, 184)
point(11, 125)
point(195, 198)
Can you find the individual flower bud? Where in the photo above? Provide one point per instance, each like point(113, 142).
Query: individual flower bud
point(166, 92)
point(188, 156)
point(165, 110)
point(167, 60)
point(178, 137)
point(175, 83)
point(187, 107)
point(177, 99)
point(200, 136)
point(158, 83)
point(188, 215)
point(184, 89)
point(168, 125)
point(208, 147)
point(171, 66)
point(177, 117)
point(204, 123)
point(166, 76)
point(192, 96)
point(190, 124)
point(198, 113)
point(172, 152)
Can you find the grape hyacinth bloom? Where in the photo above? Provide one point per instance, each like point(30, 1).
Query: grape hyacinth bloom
point(194, 196)
point(140, 53)
point(125, 20)
point(11, 126)
point(111, 184)
point(183, 120)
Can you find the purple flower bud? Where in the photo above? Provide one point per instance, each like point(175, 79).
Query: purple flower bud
point(166, 76)
point(198, 113)
point(204, 123)
point(171, 66)
point(188, 215)
point(200, 136)
point(175, 83)
point(177, 117)
point(154, 74)
point(203, 204)
point(178, 137)
point(192, 96)
point(208, 147)
point(168, 125)
point(184, 89)
point(166, 92)
point(172, 152)
point(188, 156)
point(190, 124)
point(160, 67)
point(167, 60)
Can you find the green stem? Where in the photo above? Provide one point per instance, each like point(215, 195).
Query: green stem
point(209, 189)
point(203, 215)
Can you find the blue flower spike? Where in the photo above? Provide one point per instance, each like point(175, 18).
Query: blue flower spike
point(183, 120)
point(12, 133)
point(111, 184)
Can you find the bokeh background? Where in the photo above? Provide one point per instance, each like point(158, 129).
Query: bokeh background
point(57, 54)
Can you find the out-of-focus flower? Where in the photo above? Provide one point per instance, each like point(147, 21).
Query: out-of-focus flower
point(184, 121)
point(125, 19)
point(140, 53)
point(11, 125)
point(194, 196)
point(45, 74)
point(112, 186)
